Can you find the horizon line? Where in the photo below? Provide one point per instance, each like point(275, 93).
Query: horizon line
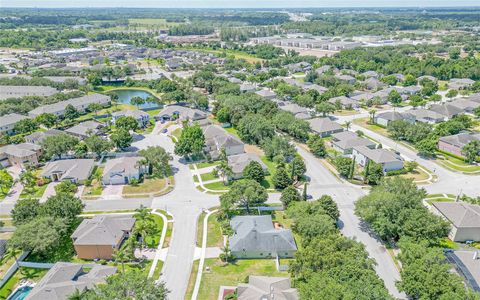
point(248, 7)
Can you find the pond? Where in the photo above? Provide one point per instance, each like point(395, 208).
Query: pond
point(124, 96)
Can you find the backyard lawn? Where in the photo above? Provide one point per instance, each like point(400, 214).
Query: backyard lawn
point(29, 274)
point(232, 274)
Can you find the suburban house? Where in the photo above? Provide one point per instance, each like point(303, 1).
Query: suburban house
point(80, 104)
point(298, 111)
point(448, 110)
point(258, 237)
point(247, 87)
point(182, 113)
point(454, 143)
point(267, 94)
point(239, 162)
point(7, 122)
point(142, 117)
point(38, 136)
point(373, 84)
point(466, 263)
point(262, 287)
point(85, 129)
point(386, 117)
point(465, 105)
point(324, 126)
point(427, 116)
point(344, 142)
point(99, 237)
point(345, 78)
point(123, 169)
point(13, 91)
point(386, 158)
point(464, 219)
point(217, 138)
point(74, 170)
point(63, 279)
point(344, 102)
point(460, 83)
point(19, 154)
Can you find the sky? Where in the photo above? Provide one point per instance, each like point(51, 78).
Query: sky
point(236, 3)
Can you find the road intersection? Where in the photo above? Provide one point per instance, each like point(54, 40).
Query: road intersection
point(186, 203)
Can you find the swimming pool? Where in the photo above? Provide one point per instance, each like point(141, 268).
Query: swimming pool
point(20, 293)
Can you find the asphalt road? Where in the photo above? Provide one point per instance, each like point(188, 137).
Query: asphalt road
point(322, 182)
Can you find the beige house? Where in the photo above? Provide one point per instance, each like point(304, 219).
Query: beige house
point(19, 155)
point(99, 237)
point(464, 219)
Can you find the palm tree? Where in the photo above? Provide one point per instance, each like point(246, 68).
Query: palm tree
point(143, 214)
point(226, 254)
point(224, 171)
point(121, 257)
point(347, 124)
point(372, 113)
point(78, 295)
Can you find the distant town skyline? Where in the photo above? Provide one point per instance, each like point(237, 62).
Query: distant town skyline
point(235, 3)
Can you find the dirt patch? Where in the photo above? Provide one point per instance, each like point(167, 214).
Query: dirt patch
point(253, 149)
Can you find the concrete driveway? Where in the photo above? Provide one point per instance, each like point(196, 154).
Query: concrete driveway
point(49, 191)
point(112, 191)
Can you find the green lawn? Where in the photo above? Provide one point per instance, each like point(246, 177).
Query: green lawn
point(456, 164)
point(177, 133)
point(429, 201)
point(232, 131)
point(148, 186)
point(214, 233)
point(153, 240)
point(37, 192)
point(153, 112)
point(231, 274)
point(268, 182)
point(208, 176)
point(30, 274)
point(200, 229)
point(216, 186)
point(207, 164)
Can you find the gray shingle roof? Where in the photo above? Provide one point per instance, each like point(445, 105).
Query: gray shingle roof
point(10, 91)
point(85, 128)
point(256, 233)
point(240, 161)
point(11, 119)
point(64, 278)
point(267, 288)
point(20, 150)
point(320, 125)
point(460, 214)
point(446, 110)
point(461, 139)
point(102, 230)
point(122, 165)
point(134, 113)
point(78, 169)
point(378, 156)
point(75, 102)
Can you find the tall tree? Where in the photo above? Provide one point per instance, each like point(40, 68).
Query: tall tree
point(254, 171)
point(6, 182)
point(191, 141)
point(243, 193)
point(158, 160)
point(56, 145)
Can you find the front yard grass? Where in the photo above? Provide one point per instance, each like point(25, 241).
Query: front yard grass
point(456, 164)
point(430, 201)
point(150, 185)
point(37, 192)
point(177, 133)
point(208, 176)
point(231, 274)
point(207, 164)
point(217, 186)
point(153, 240)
